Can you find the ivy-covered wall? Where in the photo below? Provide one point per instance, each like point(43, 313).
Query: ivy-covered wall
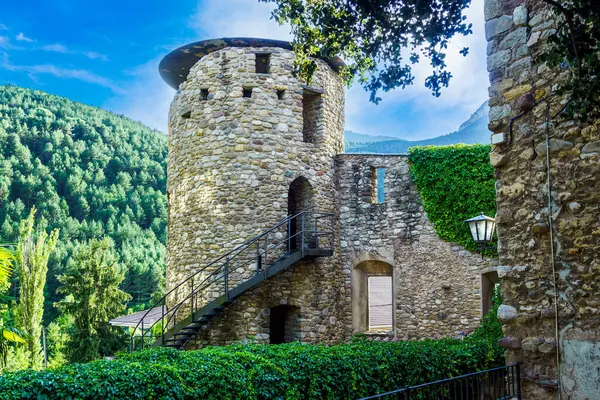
point(455, 183)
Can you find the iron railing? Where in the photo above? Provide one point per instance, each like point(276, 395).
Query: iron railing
point(502, 383)
point(217, 280)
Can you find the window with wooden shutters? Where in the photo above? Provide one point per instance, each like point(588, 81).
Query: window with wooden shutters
point(380, 302)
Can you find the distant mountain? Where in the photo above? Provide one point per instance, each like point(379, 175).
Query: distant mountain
point(351, 136)
point(474, 130)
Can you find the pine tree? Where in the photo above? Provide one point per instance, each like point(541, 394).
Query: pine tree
point(92, 298)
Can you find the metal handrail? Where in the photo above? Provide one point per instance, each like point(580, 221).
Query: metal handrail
point(221, 271)
point(506, 385)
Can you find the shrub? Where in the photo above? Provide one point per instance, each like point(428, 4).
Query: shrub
point(290, 371)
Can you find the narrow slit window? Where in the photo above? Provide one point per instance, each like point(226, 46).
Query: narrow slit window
point(280, 94)
point(204, 94)
point(247, 92)
point(380, 302)
point(263, 63)
point(311, 116)
point(378, 186)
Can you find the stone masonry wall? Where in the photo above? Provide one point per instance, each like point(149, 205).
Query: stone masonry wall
point(231, 162)
point(436, 284)
point(516, 31)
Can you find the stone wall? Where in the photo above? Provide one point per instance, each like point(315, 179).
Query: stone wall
point(240, 161)
point(529, 229)
point(436, 284)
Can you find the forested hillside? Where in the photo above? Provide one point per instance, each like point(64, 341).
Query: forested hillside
point(90, 173)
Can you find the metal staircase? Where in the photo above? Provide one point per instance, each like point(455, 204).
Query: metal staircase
point(192, 303)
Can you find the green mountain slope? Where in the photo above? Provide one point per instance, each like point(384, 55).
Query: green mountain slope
point(472, 131)
point(90, 173)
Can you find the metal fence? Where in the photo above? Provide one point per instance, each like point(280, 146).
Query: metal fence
point(502, 383)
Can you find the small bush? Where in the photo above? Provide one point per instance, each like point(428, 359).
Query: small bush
point(288, 371)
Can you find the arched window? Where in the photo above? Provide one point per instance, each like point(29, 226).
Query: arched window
point(300, 198)
point(373, 296)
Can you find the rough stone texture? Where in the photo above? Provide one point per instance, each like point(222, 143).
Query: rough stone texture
point(239, 142)
point(231, 164)
point(436, 284)
point(524, 235)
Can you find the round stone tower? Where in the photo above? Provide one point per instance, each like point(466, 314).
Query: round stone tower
point(249, 144)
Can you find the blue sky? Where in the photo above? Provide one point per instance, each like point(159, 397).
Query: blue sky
point(106, 53)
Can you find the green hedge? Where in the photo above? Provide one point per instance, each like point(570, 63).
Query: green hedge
point(289, 371)
point(455, 183)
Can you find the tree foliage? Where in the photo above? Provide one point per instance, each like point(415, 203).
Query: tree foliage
point(455, 183)
point(7, 261)
point(92, 298)
point(575, 47)
point(379, 39)
point(33, 251)
point(90, 173)
point(9, 335)
point(287, 371)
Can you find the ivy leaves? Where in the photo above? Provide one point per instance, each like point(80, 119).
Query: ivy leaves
point(456, 183)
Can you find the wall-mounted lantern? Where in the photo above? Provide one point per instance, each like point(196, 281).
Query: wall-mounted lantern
point(482, 229)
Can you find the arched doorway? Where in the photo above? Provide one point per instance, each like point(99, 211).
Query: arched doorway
point(489, 280)
point(300, 198)
point(373, 296)
point(284, 324)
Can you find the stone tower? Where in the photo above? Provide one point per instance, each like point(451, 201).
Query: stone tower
point(249, 143)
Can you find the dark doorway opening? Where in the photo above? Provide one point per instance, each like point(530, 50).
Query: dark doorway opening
point(284, 325)
point(489, 280)
point(300, 198)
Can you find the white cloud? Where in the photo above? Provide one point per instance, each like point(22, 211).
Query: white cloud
point(237, 18)
point(467, 90)
point(22, 38)
point(59, 48)
point(147, 98)
point(468, 87)
point(7, 45)
point(3, 27)
point(64, 73)
point(4, 42)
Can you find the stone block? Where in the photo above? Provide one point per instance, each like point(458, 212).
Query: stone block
point(506, 313)
point(496, 26)
point(520, 15)
point(593, 147)
point(492, 9)
point(514, 39)
point(548, 347)
point(517, 91)
point(510, 342)
point(499, 112)
point(555, 146)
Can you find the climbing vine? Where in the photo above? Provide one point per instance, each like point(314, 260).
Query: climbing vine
point(455, 183)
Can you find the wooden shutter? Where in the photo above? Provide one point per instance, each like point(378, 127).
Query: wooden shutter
point(380, 301)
